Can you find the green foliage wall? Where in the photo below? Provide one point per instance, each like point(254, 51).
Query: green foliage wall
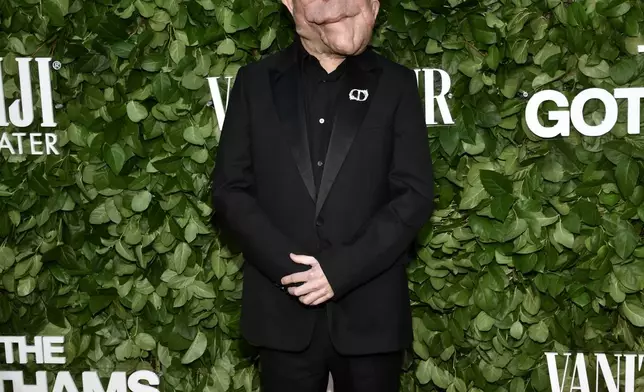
point(535, 245)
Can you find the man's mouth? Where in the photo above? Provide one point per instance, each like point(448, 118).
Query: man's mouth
point(331, 20)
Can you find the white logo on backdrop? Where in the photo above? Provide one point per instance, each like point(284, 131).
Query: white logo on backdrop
point(576, 374)
point(21, 111)
point(49, 350)
point(575, 115)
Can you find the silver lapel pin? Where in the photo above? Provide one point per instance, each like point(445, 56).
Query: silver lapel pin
point(358, 95)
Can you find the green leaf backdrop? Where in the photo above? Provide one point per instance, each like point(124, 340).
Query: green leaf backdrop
point(535, 245)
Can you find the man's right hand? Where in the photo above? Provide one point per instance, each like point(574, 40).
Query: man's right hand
point(314, 288)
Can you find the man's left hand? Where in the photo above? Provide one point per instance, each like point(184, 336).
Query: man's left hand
point(315, 288)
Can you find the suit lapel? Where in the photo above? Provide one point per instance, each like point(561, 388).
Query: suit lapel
point(287, 96)
point(349, 116)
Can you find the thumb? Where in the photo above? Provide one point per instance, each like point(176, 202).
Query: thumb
point(302, 259)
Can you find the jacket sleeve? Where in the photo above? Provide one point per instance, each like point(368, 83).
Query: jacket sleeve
point(233, 186)
point(392, 230)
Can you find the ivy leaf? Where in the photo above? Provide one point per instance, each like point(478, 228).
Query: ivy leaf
point(124, 252)
point(193, 135)
point(163, 88)
point(226, 47)
point(164, 355)
point(623, 71)
point(114, 156)
point(516, 330)
point(625, 242)
point(191, 231)
point(496, 184)
point(471, 67)
point(26, 286)
point(220, 377)
point(449, 139)
point(490, 372)
point(501, 206)
point(136, 112)
point(539, 332)
point(141, 201)
point(99, 215)
point(112, 211)
point(614, 9)
point(7, 258)
point(589, 213)
point(267, 38)
point(62, 5)
point(125, 350)
point(218, 265)
point(519, 50)
point(563, 236)
point(56, 10)
point(532, 302)
point(191, 81)
point(93, 98)
point(599, 71)
point(424, 371)
point(180, 258)
point(627, 174)
point(440, 377)
point(480, 30)
point(145, 341)
point(617, 151)
point(433, 47)
point(487, 114)
point(196, 349)
point(484, 322)
point(472, 197)
point(202, 290)
point(634, 312)
point(177, 51)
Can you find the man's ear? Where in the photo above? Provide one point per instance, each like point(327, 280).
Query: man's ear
point(375, 7)
point(289, 5)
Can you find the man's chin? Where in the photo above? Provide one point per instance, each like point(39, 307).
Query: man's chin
point(343, 42)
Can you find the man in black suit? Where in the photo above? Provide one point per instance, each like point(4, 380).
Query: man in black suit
point(323, 175)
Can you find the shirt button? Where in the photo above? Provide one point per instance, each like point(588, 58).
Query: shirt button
point(321, 121)
point(320, 163)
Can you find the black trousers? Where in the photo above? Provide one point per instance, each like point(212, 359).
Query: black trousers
point(308, 370)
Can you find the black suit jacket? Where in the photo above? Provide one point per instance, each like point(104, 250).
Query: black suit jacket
point(375, 194)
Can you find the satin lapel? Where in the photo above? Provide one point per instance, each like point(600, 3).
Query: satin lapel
point(290, 109)
point(347, 121)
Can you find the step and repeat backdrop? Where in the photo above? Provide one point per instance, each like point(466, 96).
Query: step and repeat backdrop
point(529, 276)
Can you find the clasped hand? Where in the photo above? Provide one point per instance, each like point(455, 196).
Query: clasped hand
point(315, 288)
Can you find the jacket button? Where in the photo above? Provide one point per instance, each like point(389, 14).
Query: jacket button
point(319, 222)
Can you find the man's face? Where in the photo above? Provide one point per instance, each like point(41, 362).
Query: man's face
point(341, 27)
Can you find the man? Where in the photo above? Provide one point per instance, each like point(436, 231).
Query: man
point(323, 176)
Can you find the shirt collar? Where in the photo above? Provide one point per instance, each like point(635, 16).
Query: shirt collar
point(311, 66)
point(367, 60)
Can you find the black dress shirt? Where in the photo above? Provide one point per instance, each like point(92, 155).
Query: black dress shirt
point(320, 90)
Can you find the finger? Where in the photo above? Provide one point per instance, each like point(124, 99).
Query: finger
point(297, 277)
point(322, 299)
point(306, 288)
point(311, 298)
point(303, 259)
